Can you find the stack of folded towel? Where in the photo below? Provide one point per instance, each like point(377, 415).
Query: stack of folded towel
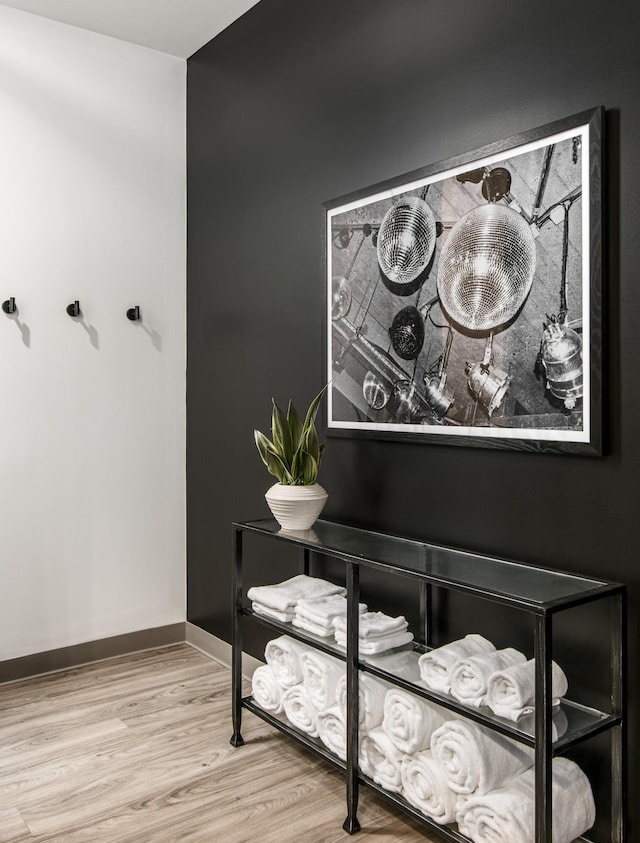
point(279, 601)
point(377, 632)
point(316, 614)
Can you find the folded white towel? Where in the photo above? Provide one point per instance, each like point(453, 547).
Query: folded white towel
point(475, 759)
point(410, 721)
point(323, 610)
point(424, 785)
point(381, 760)
point(283, 656)
point(266, 689)
point(507, 815)
point(320, 675)
point(316, 615)
point(373, 625)
point(283, 596)
point(333, 731)
point(274, 614)
point(372, 692)
point(372, 646)
point(300, 711)
point(435, 666)
point(511, 692)
point(470, 676)
point(307, 626)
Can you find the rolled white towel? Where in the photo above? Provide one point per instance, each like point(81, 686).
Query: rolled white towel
point(409, 721)
point(424, 785)
point(373, 646)
point(470, 676)
point(381, 760)
point(372, 692)
point(332, 731)
point(283, 596)
point(435, 666)
point(300, 711)
point(266, 689)
point(274, 614)
point(283, 656)
point(320, 675)
point(475, 759)
point(511, 692)
point(507, 815)
point(373, 625)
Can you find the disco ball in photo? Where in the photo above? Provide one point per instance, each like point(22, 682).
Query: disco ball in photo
point(406, 239)
point(486, 267)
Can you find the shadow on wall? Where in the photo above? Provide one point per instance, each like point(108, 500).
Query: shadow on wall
point(92, 331)
point(24, 329)
point(156, 339)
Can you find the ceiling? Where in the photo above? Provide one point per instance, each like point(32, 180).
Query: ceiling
point(177, 27)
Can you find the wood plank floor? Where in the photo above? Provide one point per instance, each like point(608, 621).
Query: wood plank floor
point(137, 749)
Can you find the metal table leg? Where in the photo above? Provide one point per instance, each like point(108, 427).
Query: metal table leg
point(543, 771)
point(351, 824)
point(618, 627)
point(236, 666)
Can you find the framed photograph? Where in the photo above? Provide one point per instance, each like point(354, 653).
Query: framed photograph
point(464, 299)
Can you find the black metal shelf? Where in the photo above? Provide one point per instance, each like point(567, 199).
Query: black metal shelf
point(581, 722)
point(280, 722)
point(538, 592)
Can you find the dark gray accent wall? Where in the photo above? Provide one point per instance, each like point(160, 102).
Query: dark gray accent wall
point(298, 103)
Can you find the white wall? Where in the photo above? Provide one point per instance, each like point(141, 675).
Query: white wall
point(92, 413)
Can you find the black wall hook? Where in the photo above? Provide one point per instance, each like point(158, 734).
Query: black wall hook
point(73, 309)
point(133, 314)
point(9, 306)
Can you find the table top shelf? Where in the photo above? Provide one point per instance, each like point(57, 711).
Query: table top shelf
point(535, 589)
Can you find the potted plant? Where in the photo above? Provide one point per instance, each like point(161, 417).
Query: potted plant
point(293, 455)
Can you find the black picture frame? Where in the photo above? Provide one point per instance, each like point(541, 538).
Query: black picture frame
point(464, 299)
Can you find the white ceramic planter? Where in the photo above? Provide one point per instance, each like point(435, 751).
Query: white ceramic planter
point(296, 507)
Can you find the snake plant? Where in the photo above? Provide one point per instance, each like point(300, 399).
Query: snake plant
point(293, 454)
